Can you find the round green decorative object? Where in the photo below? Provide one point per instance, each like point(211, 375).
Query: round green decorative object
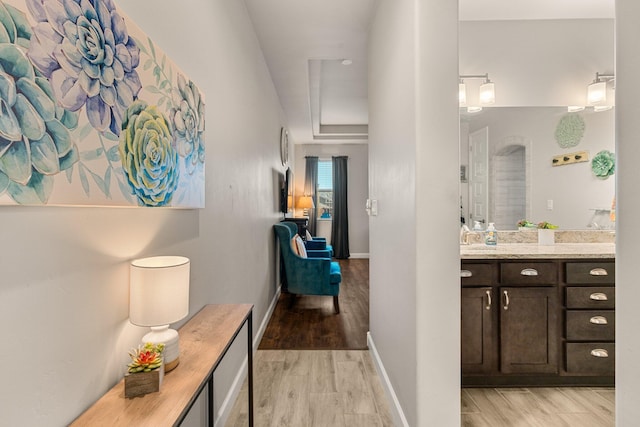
point(603, 164)
point(570, 130)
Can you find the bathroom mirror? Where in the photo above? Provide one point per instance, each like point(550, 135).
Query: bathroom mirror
point(539, 67)
point(517, 146)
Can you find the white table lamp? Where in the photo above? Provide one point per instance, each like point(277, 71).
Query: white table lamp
point(159, 296)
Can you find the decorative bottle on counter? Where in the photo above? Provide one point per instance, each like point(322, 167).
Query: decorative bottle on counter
point(491, 235)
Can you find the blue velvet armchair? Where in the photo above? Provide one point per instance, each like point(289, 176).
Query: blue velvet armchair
point(315, 275)
point(315, 244)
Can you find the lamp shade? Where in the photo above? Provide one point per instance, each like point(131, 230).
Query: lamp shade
point(487, 93)
point(597, 93)
point(462, 94)
point(305, 202)
point(159, 290)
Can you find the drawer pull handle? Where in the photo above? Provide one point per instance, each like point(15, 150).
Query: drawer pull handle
point(598, 272)
point(465, 273)
point(529, 272)
point(599, 352)
point(506, 300)
point(599, 320)
point(598, 296)
point(488, 306)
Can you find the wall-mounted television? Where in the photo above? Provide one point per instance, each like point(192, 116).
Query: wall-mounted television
point(286, 192)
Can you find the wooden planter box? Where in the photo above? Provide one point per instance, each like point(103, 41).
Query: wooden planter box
point(142, 383)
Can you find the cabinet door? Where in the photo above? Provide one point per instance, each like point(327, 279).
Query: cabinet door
point(477, 330)
point(528, 330)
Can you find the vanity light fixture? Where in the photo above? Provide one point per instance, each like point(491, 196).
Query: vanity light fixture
point(462, 93)
point(486, 94)
point(597, 90)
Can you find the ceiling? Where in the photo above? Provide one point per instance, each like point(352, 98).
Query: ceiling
point(306, 43)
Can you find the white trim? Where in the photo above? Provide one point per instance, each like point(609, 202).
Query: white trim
point(396, 410)
point(234, 391)
point(364, 255)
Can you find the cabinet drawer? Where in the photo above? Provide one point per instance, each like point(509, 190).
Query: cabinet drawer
point(591, 358)
point(529, 273)
point(590, 297)
point(478, 274)
point(591, 272)
point(591, 325)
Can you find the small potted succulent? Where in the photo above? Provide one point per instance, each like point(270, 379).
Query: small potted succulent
point(546, 235)
point(146, 370)
point(524, 225)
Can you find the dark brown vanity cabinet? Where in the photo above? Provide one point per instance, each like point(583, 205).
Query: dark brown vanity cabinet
point(477, 330)
point(589, 309)
point(537, 322)
point(510, 326)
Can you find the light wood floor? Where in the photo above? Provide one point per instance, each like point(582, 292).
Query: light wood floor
point(314, 388)
point(538, 407)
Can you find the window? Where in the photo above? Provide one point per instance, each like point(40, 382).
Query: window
point(325, 189)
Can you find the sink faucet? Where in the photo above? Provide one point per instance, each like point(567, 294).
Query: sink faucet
point(464, 235)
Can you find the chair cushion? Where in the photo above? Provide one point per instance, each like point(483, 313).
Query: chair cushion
point(335, 276)
point(297, 245)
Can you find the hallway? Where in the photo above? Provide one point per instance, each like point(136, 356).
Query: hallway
point(331, 388)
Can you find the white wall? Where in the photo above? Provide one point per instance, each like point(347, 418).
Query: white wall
point(64, 290)
point(628, 205)
point(357, 181)
point(537, 63)
point(413, 156)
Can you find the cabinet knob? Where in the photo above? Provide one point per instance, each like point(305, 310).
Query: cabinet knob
point(598, 272)
point(598, 296)
point(599, 352)
point(466, 273)
point(488, 306)
point(529, 272)
point(599, 320)
point(506, 300)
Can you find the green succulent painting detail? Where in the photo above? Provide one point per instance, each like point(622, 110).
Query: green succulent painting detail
point(35, 139)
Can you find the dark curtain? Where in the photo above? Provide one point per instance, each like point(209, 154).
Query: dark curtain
point(310, 185)
point(340, 223)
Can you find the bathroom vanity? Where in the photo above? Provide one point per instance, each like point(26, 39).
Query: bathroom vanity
point(538, 315)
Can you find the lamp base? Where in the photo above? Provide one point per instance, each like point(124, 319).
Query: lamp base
point(170, 339)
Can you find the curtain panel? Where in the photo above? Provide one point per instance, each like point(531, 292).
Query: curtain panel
point(310, 185)
point(340, 224)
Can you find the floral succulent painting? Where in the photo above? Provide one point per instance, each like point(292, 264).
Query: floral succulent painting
point(92, 112)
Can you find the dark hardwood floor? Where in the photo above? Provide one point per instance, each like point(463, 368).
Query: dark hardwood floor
point(312, 324)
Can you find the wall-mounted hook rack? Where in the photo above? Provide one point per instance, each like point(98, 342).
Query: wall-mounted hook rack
point(569, 158)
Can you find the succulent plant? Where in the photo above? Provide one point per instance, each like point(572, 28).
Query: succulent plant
point(546, 225)
point(146, 358)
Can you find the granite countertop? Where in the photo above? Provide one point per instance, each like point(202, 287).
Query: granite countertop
point(533, 250)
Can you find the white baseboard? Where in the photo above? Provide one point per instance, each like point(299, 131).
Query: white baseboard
point(359, 256)
point(234, 391)
point(396, 410)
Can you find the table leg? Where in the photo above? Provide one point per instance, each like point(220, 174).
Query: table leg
point(250, 368)
point(210, 402)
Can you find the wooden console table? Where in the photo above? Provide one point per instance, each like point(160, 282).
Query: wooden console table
point(204, 340)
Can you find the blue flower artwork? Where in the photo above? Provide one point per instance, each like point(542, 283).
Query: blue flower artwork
point(83, 91)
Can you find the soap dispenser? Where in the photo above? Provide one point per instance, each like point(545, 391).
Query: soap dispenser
point(491, 235)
